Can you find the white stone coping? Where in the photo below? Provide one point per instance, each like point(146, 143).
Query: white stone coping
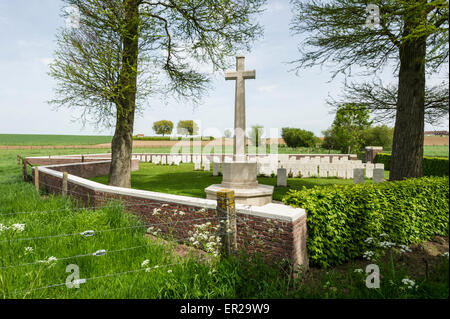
point(272, 211)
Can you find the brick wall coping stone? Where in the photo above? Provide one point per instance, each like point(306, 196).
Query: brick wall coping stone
point(272, 210)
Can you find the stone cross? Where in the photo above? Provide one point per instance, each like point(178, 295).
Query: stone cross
point(240, 75)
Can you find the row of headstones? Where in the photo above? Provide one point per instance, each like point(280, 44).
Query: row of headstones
point(200, 162)
point(319, 160)
point(340, 170)
point(357, 173)
point(192, 158)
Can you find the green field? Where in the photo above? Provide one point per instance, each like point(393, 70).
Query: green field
point(48, 220)
point(432, 150)
point(35, 139)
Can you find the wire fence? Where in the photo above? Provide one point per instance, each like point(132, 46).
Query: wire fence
point(84, 280)
point(184, 223)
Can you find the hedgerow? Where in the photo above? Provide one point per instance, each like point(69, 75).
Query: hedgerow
point(340, 218)
point(432, 166)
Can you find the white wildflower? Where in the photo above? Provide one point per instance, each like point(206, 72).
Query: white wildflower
point(386, 244)
point(384, 235)
point(445, 254)
point(369, 240)
point(28, 249)
point(368, 254)
point(404, 248)
point(51, 259)
point(409, 283)
point(359, 270)
point(169, 271)
point(18, 227)
point(145, 263)
point(3, 228)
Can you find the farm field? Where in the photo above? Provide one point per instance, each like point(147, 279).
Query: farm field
point(433, 150)
point(36, 140)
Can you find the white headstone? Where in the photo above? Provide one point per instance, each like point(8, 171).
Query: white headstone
point(378, 175)
point(216, 169)
point(281, 177)
point(358, 175)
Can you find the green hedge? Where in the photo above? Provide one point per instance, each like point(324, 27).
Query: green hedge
point(341, 218)
point(168, 138)
point(432, 166)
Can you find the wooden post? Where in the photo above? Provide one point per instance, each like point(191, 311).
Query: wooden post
point(24, 170)
point(226, 212)
point(64, 184)
point(36, 178)
point(82, 158)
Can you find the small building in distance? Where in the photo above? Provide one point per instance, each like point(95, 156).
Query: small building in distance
point(436, 133)
point(140, 135)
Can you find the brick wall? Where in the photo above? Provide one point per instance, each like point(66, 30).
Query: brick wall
point(276, 231)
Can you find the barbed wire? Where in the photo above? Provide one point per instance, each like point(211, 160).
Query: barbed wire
point(107, 204)
point(101, 252)
point(84, 280)
point(90, 233)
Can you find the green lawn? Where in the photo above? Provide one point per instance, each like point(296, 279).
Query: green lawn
point(36, 139)
point(183, 180)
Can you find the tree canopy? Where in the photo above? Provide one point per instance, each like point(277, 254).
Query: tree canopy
point(412, 35)
point(163, 127)
point(123, 52)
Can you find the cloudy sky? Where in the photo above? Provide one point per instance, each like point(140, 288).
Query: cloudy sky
point(276, 98)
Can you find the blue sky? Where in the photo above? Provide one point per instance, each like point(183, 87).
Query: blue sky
point(276, 98)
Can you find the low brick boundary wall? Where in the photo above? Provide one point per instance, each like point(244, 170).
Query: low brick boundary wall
point(277, 231)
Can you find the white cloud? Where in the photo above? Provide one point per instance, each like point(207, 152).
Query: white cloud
point(267, 88)
point(46, 61)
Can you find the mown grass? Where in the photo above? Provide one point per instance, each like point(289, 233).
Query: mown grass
point(183, 180)
point(237, 277)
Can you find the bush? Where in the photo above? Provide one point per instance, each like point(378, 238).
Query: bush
point(341, 218)
point(378, 136)
point(295, 137)
point(432, 166)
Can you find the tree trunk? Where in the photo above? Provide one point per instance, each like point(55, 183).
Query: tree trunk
point(122, 143)
point(407, 148)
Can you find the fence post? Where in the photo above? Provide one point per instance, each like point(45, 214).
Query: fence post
point(36, 178)
point(226, 212)
point(64, 184)
point(24, 170)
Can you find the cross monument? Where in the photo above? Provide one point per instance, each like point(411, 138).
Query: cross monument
point(240, 75)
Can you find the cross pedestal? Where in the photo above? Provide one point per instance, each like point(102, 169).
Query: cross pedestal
point(240, 175)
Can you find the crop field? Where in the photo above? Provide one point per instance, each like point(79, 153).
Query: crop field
point(36, 140)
